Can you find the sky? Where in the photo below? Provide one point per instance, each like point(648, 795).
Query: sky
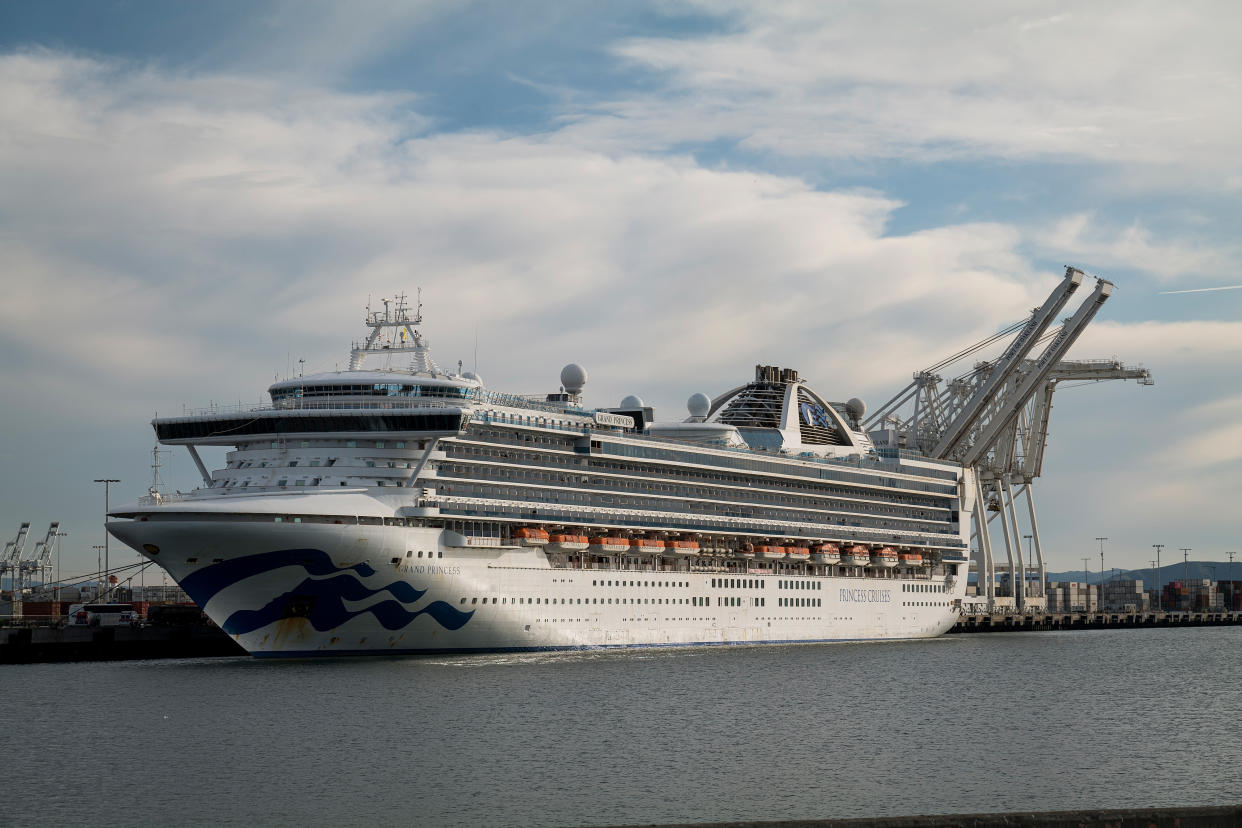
point(194, 197)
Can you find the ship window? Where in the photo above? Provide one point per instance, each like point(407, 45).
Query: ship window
point(379, 443)
point(348, 444)
point(463, 600)
point(441, 554)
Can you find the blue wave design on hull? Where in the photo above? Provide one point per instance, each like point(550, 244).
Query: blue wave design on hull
point(328, 610)
point(203, 584)
point(325, 596)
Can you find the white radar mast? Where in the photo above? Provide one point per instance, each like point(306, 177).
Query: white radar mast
point(392, 332)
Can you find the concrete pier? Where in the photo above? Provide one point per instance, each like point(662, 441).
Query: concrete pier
point(1222, 816)
point(1011, 622)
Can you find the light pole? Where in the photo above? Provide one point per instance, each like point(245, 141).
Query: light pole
point(107, 481)
point(1186, 572)
point(1086, 585)
point(1028, 561)
point(56, 540)
point(98, 568)
point(1101, 540)
point(1153, 567)
point(1233, 589)
point(1159, 585)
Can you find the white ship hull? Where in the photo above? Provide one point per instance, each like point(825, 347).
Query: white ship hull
point(301, 589)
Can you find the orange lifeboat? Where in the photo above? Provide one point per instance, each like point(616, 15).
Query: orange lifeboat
point(681, 547)
point(609, 545)
point(855, 556)
point(910, 558)
point(568, 543)
point(769, 553)
point(826, 553)
point(746, 550)
point(647, 546)
point(885, 556)
point(531, 536)
point(798, 553)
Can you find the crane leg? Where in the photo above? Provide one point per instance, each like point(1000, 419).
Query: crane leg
point(1019, 581)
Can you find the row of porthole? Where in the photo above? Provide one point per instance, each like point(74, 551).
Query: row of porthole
point(698, 602)
point(801, 602)
point(643, 583)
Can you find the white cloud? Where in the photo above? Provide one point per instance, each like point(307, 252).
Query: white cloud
point(1081, 237)
point(1150, 84)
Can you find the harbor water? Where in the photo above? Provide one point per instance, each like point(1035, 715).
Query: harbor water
point(1013, 721)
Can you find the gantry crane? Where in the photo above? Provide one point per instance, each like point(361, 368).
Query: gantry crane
point(40, 564)
point(10, 564)
point(993, 419)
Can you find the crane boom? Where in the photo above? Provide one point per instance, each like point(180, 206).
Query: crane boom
point(1008, 363)
point(1043, 367)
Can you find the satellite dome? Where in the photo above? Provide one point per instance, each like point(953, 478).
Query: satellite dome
point(699, 405)
point(631, 402)
point(573, 378)
point(857, 408)
point(471, 375)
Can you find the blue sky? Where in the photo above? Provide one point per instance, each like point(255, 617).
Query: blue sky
point(194, 196)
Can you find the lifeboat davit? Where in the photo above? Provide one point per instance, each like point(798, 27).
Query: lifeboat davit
point(647, 546)
point(609, 545)
point(769, 553)
point(681, 547)
point(568, 543)
point(746, 550)
point(826, 553)
point(910, 558)
point(531, 536)
point(798, 553)
point(886, 556)
point(855, 556)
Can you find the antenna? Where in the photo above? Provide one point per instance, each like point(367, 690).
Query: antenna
point(157, 480)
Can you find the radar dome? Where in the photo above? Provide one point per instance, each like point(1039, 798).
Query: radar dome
point(573, 378)
point(699, 405)
point(857, 408)
point(632, 402)
point(471, 375)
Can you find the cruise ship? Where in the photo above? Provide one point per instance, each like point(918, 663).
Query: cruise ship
point(396, 507)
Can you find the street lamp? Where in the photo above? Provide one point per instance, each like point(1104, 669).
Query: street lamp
point(1101, 540)
point(107, 481)
point(1153, 567)
point(1159, 584)
point(1086, 585)
point(56, 540)
point(98, 568)
point(1233, 589)
point(1028, 563)
point(1186, 571)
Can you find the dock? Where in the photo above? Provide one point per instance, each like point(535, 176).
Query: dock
point(42, 644)
point(1031, 621)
